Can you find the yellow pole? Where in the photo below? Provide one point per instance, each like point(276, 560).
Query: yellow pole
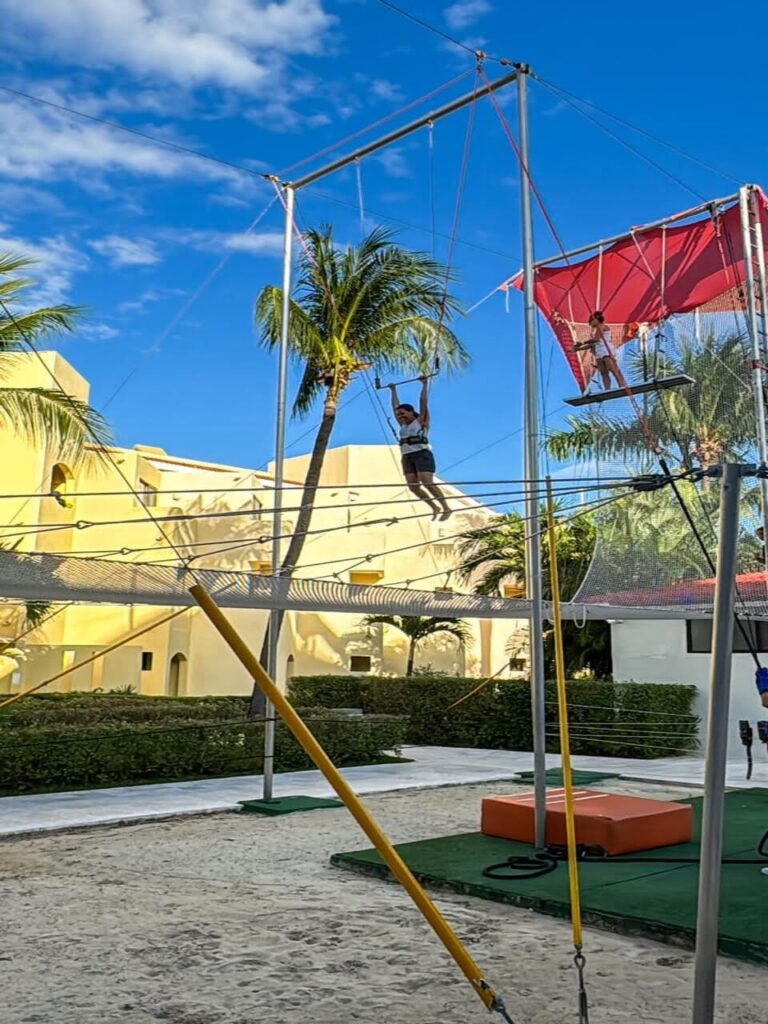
point(565, 745)
point(354, 804)
point(94, 657)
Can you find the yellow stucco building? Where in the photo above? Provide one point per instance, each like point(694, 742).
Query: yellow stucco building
point(88, 510)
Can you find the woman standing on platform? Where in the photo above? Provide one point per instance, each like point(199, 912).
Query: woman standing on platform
point(599, 344)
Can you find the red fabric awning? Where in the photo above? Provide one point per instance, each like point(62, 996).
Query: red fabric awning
point(644, 279)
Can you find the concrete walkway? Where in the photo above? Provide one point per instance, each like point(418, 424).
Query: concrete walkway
point(431, 766)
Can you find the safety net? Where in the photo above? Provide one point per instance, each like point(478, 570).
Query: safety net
point(66, 578)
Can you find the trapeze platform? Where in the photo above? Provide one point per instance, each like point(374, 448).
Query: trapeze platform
point(661, 384)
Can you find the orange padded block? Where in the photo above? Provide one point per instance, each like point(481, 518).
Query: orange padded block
point(619, 824)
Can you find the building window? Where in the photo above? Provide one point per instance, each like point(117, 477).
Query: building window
point(360, 663)
point(147, 493)
point(146, 661)
point(367, 578)
point(290, 668)
point(261, 568)
point(60, 485)
point(698, 635)
point(517, 664)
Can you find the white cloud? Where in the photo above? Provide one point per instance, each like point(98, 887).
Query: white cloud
point(39, 145)
point(99, 332)
point(56, 263)
point(393, 162)
point(126, 252)
point(227, 43)
point(462, 14)
point(147, 298)
point(265, 243)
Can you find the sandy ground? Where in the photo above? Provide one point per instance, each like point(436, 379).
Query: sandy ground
point(241, 919)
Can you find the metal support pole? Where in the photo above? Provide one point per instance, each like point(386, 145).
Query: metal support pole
point(717, 750)
point(761, 290)
point(275, 616)
point(758, 375)
point(533, 532)
point(408, 129)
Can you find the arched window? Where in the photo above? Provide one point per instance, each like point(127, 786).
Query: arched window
point(290, 668)
point(61, 480)
point(177, 676)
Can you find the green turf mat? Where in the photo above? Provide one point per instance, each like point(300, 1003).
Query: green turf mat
point(288, 805)
point(554, 776)
point(624, 895)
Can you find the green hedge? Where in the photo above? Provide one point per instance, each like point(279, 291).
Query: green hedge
point(642, 720)
point(90, 708)
point(41, 752)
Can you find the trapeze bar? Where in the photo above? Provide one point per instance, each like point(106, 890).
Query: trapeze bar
point(662, 384)
point(411, 380)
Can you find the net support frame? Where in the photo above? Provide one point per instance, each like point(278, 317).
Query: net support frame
point(275, 616)
point(716, 758)
point(754, 278)
point(531, 443)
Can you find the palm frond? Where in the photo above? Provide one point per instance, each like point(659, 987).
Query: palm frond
point(45, 416)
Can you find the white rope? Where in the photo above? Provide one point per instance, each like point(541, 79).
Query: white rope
point(599, 278)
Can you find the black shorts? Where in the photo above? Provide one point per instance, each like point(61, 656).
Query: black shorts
point(422, 461)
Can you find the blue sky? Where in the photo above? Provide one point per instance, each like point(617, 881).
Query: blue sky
point(131, 230)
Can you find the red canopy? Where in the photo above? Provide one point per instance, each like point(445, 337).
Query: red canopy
point(645, 278)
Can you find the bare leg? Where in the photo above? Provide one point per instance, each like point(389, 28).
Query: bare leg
point(428, 480)
point(613, 368)
point(419, 492)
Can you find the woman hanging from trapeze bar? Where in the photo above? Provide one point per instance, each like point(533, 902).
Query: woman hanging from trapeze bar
point(599, 346)
point(416, 455)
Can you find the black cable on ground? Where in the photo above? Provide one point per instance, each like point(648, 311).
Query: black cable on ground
point(518, 868)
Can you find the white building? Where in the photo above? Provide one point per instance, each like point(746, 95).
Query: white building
point(678, 651)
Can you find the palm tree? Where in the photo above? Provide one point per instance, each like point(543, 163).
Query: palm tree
point(494, 555)
point(44, 415)
point(419, 627)
point(697, 425)
point(370, 304)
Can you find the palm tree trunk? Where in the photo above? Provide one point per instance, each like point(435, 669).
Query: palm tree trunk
point(411, 656)
point(299, 536)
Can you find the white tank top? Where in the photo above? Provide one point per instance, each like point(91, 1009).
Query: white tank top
point(602, 339)
point(413, 437)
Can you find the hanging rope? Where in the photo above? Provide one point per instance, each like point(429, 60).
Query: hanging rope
point(565, 750)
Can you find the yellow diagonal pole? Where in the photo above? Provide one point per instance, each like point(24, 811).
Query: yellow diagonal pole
point(565, 750)
point(354, 804)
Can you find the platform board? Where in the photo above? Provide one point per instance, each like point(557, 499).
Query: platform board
point(631, 390)
point(580, 777)
point(656, 901)
point(288, 805)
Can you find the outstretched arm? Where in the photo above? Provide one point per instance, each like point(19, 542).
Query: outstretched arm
point(393, 396)
point(424, 403)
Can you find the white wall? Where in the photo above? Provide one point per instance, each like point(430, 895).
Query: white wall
point(655, 652)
